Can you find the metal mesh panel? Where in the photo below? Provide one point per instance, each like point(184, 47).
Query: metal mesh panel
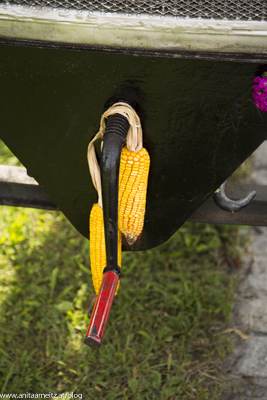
point(219, 9)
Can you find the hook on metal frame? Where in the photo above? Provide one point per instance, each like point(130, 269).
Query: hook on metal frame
point(227, 204)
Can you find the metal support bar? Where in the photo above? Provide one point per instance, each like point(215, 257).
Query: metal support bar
point(254, 214)
point(17, 189)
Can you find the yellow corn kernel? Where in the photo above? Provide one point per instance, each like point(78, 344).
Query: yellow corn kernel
point(97, 246)
point(134, 169)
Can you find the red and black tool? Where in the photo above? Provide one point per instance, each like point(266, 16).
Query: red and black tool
point(99, 318)
point(113, 140)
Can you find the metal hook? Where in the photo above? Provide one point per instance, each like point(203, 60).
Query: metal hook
point(227, 204)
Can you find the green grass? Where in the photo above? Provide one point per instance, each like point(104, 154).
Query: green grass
point(6, 157)
point(164, 338)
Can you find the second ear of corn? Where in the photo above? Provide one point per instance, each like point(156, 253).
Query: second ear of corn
point(97, 246)
point(134, 169)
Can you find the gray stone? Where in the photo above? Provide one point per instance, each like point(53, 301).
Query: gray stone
point(261, 382)
point(247, 365)
point(250, 314)
point(254, 394)
point(259, 265)
point(260, 177)
point(259, 246)
point(259, 230)
point(254, 360)
point(260, 157)
point(258, 282)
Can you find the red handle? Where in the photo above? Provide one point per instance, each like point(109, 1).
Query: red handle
point(99, 318)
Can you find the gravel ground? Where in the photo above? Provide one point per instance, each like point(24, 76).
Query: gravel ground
point(247, 365)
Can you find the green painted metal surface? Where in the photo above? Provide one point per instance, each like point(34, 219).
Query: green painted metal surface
point(199, 123)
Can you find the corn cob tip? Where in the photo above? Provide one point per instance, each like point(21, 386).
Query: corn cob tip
point(131, 238)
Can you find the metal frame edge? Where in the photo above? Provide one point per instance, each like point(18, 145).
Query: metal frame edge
point(139, 32)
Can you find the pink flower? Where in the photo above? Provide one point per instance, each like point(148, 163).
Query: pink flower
point(260, 92)
point(263, 82)
point(257, 89)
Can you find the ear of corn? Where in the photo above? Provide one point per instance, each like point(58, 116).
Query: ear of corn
point(97, 246)
point(134, 169)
